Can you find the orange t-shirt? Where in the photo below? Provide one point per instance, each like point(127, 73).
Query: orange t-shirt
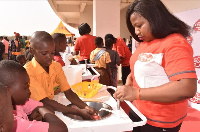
point(177, 62)
point(42, 84)
point(102, 61)
point(85, 44)
point(123, 51)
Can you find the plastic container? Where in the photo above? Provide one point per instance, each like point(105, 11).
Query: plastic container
point(86, 89)
point(73, 74)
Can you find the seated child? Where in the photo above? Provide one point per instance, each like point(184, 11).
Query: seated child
point(115, 60)
point(101, 58)
point(46, 74)
point(15, 77)
point(60, 46)
point(6, 114)
point(21, 59)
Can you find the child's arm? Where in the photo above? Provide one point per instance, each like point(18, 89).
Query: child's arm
point(55, 124)
point(66, 109)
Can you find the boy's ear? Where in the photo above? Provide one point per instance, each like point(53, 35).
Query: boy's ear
point(60, 44)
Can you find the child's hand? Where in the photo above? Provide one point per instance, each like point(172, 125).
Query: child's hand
point(91, 110)
point(35, 115)
point(86, 115)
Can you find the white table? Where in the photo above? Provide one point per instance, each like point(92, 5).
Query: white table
point(113, 123)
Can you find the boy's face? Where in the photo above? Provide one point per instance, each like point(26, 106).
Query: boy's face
point(20, 89)
point(44, 53)
point(63, 45)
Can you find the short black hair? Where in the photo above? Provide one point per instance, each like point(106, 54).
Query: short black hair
point(109, 42)
point(9, 70)
point(98, 41)
point(38, 37)
point(58, 37)
point(110, 36)
point(162, 22)
point(84, 28)
point(1, 37)
point(19, 57)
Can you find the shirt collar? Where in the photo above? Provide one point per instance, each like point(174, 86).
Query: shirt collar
point(38, 67)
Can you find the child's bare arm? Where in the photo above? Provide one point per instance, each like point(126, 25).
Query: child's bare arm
point(66, 109)
point(55, 124)
point(74, 99)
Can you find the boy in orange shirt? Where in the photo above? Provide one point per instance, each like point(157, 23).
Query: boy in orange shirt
point(101, 58)
point(45, 75)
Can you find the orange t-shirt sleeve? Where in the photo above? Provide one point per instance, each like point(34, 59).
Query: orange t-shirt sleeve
point(61, 79)
point(179, 62)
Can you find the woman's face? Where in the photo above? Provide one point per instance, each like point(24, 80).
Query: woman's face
point(142, 27)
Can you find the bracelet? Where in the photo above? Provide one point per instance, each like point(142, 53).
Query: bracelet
point(138, 94)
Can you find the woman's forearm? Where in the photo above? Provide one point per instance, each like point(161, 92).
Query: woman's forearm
point(170, 92)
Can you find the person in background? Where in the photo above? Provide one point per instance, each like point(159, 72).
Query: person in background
point(137, 44)
point(84, 44)
point(15, 48)
point(27, 43)
point(6, 114)
point(101, 58)
point(6, 43)
point(2, 48)
point(130, 45)
point(124, 40)
point(23, 45)
point(124, 54)
point(115, 60)
point(46, 75)
point(60, 46)
point(163, 75)
point(26, 111)
point(21, 59)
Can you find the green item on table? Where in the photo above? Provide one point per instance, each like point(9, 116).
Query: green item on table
point(55, 88)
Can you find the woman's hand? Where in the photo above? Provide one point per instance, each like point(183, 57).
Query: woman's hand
point(125, 93)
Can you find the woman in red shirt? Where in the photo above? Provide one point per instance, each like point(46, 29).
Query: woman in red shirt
point(162, 74)
point(85, 44)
